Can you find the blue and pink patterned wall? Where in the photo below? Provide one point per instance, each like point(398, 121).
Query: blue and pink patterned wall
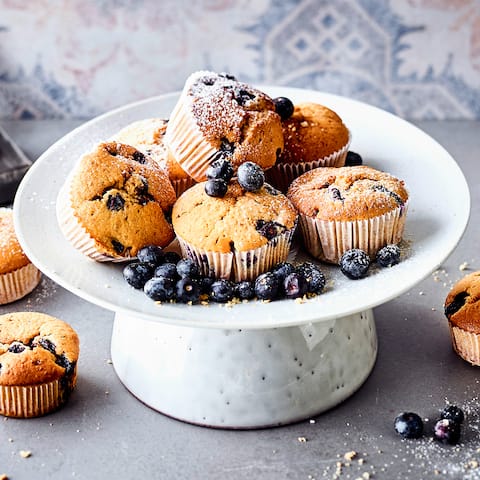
point(77, 58)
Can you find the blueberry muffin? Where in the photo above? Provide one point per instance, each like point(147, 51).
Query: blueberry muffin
point(314, 136)
point(462, 309)
point(116, 202)
point(18, 276)
point(217, 116)
point(349, 207)
point(237, 236)
point(38, 355)
point(148, 137)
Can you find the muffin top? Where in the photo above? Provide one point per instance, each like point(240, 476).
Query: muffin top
point(12, 256)
point(239, 221)
point(235, 119)
point(346, 193)
point(313, 132)
point(462, 305)
point(148, 136)
point(119, 196)
point(36, 348)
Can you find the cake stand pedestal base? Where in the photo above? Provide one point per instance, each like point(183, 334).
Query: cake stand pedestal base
point(244, 378)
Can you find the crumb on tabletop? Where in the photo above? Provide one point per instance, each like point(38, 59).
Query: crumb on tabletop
point(25, 453)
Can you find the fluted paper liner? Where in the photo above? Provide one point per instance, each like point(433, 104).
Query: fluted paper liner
point(327, 240)
point(281, 175)
point(15, 285)
point(239, 265)
point(31, 400)
point(180, 185)
point(466, 344)
point(73, 230)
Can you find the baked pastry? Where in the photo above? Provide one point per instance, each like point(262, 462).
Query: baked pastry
point(38, 355)
point(148, 137)
point(18, 276)
point(218, 116)
point(115, 203)
point(462, 308)
point(314, 136)
point(237, 236)
point(349, 207)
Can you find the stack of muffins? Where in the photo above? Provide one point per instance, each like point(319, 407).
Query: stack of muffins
point(147, 185)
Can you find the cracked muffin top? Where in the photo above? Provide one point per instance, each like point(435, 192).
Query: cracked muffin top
point(120, 197)
point(216, 115)
point(239, 221)
point(36, 348)
point(347, 193)
point(12, 256)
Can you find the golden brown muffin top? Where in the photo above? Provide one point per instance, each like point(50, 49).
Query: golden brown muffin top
point(12, 256)
point(346, 193)
point(119, 195)
point(462, 305)
point(240, 220)
point(148, 136)
point(36, 348)
point(313, 132)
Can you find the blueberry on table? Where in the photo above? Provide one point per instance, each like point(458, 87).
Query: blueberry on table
point(216, 187)
point(452, 412)
point(220, 168)
point(388, 255)
point(250, 176)
point(160, 289)
point(136, 274)
point(152, 254)
point(187, 290)
point(282, 269)
point(294, 285)
point(187, 268)
point(244, 290)
point(353, 159)
point(447, 431)
point(222, 291)
point(171, 257)
point(205, 284)
point(167, 270)
point(267, 286)
point(409, 425)
point(313, 276)
point(284, 107)
point(354, 263)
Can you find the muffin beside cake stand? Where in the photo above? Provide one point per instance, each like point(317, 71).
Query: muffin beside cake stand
point(253, 364)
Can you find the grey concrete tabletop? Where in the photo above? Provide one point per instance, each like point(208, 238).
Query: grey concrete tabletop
point(105, 432)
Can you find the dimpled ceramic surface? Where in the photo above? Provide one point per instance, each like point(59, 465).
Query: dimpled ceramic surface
point(434, 224)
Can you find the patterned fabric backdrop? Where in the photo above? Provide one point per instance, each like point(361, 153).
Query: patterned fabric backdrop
point(77, 58)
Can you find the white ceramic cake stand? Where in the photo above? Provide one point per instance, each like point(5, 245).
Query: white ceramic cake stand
point(255, 364)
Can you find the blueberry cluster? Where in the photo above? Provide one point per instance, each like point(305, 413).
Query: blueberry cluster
point(165, 276)
point(446, 430)
point(355, 263)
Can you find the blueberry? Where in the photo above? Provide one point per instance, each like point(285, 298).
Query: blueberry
point(118, 246)
point(152, 254)
point(167, 270)
point(216, 187)
point(250, 176)
point(220, 168)
point(282, 269)
point(222, 291)
point(139, 157)
point(354, 263)
point(243, 96)
point(160, 289)
point(187, 268)
point(228, 76)
point(137, 273)
point(452, 412)
point(284, 107)
point(353, 159)
point(187, 290)
point(16, 348)
point(409, 425)
point(447, 431)
point(205, 284)
point(335, 194)
point(313, 276)
point(295, 285)
point(171, 257)
point(388, 255)
point(244, 290)
point(269, 229)
point(456, 304)
point(267, 286)
point(115, 202)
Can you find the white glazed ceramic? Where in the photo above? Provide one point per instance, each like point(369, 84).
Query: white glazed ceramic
point(436, 220)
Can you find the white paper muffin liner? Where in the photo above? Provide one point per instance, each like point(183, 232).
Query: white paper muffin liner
point(180, 185)
point(238, 266)
point(327, 240)
point(26, 401)
point(187, 142)
point(15, 285)
point(281, 175)
point(466, 344)
point(74, 232)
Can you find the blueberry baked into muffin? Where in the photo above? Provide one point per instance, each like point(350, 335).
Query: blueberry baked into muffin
point(348, 208)
point(38, 358)
point(462, 309)
point(218, 117)
point(115, 202)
